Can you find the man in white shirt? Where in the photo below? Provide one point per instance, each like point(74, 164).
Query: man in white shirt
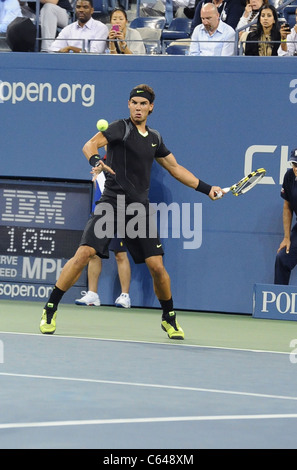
point(9, 10)
point(213, 37)
point(84, 35)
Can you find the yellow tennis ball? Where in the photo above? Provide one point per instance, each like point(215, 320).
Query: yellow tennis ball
point(102, 125)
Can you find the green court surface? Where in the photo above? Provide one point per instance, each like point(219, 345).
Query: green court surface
point(137, 324)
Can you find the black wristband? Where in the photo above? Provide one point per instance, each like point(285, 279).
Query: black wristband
point(95, 160)
point(203, 187)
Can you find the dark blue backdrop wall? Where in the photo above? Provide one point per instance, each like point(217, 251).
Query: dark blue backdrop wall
point(221, 118)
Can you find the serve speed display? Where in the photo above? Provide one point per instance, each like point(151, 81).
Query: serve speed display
point(41, 223)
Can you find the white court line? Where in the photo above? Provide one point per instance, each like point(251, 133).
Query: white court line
point(46, 424)
point(136, 384)
point(172, 344)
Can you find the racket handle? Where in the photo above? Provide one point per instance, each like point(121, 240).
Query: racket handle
point(219, 194)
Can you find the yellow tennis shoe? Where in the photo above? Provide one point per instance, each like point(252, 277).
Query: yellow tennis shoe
point(172, 327)
point(48, 321)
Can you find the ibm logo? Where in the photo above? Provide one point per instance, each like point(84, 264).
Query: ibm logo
point(29, 206)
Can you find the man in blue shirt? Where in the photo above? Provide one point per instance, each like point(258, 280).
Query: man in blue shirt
point(213, 37)
point(286, 258)
point(9, 10)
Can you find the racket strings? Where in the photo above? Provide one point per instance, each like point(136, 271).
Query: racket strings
point(248, 183)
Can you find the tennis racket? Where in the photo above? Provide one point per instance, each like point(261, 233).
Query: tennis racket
point(245, 184)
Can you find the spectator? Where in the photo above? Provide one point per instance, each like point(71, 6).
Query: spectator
point(125, 40)
point(158, 8)
point(230, 11)
point(27, 12)
point(265, 40)
point(91, 298)
point(53, 14)
point(213, 37)
point(286, 257)
point(250, 14)
point(78, 36)
point(288, 40)
point(9, 10)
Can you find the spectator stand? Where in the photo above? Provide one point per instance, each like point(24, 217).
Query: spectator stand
point(150, 29)
point(102, 9)
point(176, 36)
point(289, 14)
point(157, 37)
point(283, 9)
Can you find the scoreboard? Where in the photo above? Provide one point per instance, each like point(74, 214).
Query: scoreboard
point(41, 223)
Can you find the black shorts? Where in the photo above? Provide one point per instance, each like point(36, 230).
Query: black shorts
point(117, 245)
point(142, 242)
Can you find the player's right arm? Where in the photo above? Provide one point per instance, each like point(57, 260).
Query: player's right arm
point(90, 149)
point(96, 142)
point(287, 223)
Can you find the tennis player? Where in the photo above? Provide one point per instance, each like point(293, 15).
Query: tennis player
point(131, 149)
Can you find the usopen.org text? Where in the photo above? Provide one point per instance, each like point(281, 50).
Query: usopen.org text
point(17, 92)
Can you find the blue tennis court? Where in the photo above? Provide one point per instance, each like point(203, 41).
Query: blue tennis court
point(100, 391)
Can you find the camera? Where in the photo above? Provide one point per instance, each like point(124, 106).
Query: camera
point(115, 27)
point(284, 25)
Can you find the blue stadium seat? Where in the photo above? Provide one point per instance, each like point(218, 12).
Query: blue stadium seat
point(178, 49)
point(100, 7)
point(179, 28)
point(125, 4)
point(153, 47)
point(289, 14)
point(157, 22)
point(103, 7)
point(112, 5)
point(150, 29)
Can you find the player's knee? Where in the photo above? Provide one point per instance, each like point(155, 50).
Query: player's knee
point(83, 255)
point(157, 269)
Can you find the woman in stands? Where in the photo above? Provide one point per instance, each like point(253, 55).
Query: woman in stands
point(250, 14)
point(123, 40)
point(265, 40)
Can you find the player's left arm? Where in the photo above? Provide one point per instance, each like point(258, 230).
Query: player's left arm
point(186, 177)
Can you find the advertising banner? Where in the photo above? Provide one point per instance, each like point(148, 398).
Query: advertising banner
point(275, 302)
